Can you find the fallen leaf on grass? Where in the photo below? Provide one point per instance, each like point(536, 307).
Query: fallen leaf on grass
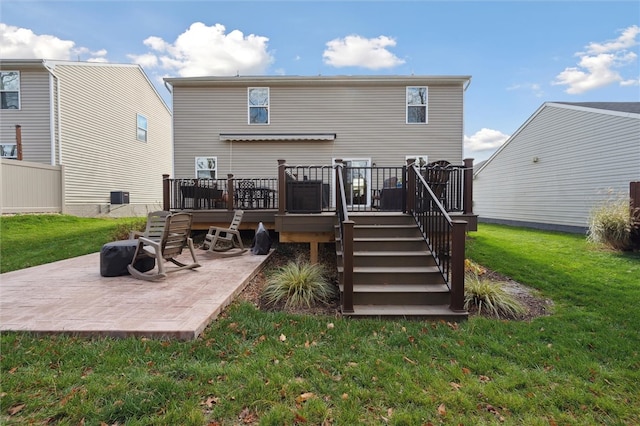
point(210, 401)
point(455, 385)
point(283, 337)
point(15, 409)
point(299, 419)
point(442, 410)
point(410, 361)
point(304, 396)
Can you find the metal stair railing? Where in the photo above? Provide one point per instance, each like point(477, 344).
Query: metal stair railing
point(444, 236)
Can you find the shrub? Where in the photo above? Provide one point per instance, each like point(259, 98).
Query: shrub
point(484, 294)
point(123, 230)
point(473, 267)
point(610, 223)
point(298, 283)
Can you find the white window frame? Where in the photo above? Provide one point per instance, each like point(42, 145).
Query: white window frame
point(14, 150)
point(4, 91)
point(410, 103)
point(210, 167)
point(142, 131)
point(265, 106)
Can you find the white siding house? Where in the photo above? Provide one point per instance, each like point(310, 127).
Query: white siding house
point(565, 159)
point(105, 123)
point(243, 125)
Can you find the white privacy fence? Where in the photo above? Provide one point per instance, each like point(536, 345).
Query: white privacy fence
point(30, 187)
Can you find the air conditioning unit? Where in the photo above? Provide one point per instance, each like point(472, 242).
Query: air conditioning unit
point(119, 197)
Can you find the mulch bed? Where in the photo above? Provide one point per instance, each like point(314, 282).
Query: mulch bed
point(536, 305)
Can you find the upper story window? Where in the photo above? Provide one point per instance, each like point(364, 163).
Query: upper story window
point(141, 133)
point(9, 90)
point(258, 105)
point(8, 150)
point(206, 167)
point(417, 104)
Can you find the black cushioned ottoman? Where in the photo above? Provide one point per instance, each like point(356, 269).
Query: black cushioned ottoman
point(117, 255)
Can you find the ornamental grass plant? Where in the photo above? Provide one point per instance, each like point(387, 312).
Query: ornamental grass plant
point(484, 295)
point(611, 224)
point(298, 283)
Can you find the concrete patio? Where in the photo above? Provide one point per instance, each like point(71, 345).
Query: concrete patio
point(70, 296)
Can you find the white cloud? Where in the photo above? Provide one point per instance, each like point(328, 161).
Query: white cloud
point(483, 142)
point(534, 88)
point(598, 65)
point(358, 51)
point(203, 50)
point(22, 43)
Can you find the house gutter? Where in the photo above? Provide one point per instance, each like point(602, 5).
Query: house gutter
point(55, 109)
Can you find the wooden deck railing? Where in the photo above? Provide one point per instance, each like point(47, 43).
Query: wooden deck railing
point(312, 189)
point(445, 237)
point(214, 194)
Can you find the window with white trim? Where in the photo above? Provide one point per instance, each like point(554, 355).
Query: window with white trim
point(206, 167)
point(258, 100)
point(417, 104)
point(141, 125)
point(9, 90)
point(8, 150)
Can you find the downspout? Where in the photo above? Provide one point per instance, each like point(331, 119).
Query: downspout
point(173, 141)
point(55, 117)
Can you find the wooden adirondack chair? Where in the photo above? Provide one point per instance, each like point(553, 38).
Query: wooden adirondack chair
point(227, 241)
point(175, 237)
point(437, 176)
point(156, 222)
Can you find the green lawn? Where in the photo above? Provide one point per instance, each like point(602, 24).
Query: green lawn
point(579, 366)
point(30, 240)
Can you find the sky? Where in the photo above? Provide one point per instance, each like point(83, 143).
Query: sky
point(519, 54)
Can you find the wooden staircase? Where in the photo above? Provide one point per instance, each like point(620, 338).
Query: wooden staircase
point(394, 273)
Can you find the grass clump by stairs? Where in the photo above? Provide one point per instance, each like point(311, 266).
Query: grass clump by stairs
point(484, 295)
point(298, 283)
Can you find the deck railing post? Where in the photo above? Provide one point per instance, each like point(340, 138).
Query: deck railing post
point(410, 186)
point(230, 194)
point(457, 265)
point(338, 204)
point(282, 186)
point(166, 193)
point(347, 267)
point(467, 200)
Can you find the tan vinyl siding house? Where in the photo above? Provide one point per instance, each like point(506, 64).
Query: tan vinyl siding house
point(567, 158)
point(313, 120)
point(84, 116)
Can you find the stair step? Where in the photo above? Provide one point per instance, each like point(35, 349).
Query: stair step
point(403, 311)
point(399, 288)
point(390, 258)
point(418, 275)
point(389, 244)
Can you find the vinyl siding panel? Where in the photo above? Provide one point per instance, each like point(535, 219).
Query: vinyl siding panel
point(98, 107)
point(369, 121)
point(583, 158)
point(34, 116)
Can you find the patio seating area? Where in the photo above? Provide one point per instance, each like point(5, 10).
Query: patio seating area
point(71, 297)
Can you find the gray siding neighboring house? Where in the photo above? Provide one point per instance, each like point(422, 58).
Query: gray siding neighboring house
point(563, 161)
point(313, 120)
point(84, 116)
